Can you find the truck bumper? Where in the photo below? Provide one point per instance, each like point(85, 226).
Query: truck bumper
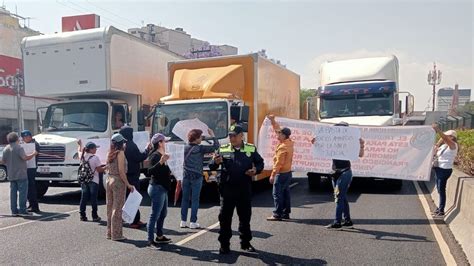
point(57, 173)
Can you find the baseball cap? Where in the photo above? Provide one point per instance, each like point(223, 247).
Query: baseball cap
point(285, 131)
point(235, 130)
point(117, 137)
point(158, 137)
point(451, 133)
point(25, 133)
point(91, 145)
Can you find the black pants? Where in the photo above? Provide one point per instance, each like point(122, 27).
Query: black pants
point(134, 180)
point(235, 198)
point(32, 194)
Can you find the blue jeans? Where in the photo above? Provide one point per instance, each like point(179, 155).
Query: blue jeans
point(89, 191)
point(442, 176)
point(341, 186)
point(192, 184)
point(281, 195)
point(18, 192)
point(159, 209)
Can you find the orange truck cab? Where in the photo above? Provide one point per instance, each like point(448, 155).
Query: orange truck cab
point(223, 90)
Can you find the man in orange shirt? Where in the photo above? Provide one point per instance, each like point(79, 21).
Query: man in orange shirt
point(281, 173)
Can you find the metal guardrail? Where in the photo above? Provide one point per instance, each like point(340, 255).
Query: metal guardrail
point(463, 120)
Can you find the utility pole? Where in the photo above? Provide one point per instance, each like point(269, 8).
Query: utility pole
point(18, 87)
point(434, 78)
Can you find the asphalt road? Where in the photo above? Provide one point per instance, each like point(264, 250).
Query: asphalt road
point(390, 229)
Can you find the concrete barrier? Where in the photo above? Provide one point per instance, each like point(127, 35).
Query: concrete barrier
point(459, 208)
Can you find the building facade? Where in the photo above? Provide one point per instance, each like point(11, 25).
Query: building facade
point(445, 98)
point(180, 42)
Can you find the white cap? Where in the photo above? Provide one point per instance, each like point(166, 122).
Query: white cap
point(451, 133)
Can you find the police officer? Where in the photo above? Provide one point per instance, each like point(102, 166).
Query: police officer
point(240, 162)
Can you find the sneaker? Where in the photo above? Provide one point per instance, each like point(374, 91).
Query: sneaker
point(224, 250)
point(35, 210)
point(435, 212)
point(334, 226)
point(120, 239)
point(24, 214)
point(152, 245)
point(162, 240)
point(138, 225)
point(84, 218)
point(183, 224)
point(97, 219)
point(273, 218)
point(247, 247)
point(286, 217)
point(194, 226)
point(438, 215)
point(348, 224)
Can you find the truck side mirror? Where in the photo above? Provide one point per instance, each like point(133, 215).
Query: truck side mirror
point(40, 114)
point(240, 113)
point(141, 117)
point(410, 104)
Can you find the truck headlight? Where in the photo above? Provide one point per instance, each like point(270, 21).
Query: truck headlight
point(76, 156)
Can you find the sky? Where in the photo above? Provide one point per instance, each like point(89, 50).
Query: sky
point(304, 34)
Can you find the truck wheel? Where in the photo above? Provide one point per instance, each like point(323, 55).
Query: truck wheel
point(41, 188)
point(3, 173)
point(314, 181)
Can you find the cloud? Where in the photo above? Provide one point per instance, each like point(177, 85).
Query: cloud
point(413, 73)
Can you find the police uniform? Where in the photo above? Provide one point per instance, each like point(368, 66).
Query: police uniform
point(235, 188)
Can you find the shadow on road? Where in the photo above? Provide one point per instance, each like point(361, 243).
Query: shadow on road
point(389, 236)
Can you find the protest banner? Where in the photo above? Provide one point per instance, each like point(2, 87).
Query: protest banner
point(176, 160)
point(390, 152)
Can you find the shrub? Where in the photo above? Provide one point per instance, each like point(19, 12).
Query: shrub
point(465, 158)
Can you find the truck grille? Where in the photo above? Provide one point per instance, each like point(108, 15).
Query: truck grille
point(51, 154)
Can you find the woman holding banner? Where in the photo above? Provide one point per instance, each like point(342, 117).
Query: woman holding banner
point(192, 179)
point(446, 151)
point(341, 180)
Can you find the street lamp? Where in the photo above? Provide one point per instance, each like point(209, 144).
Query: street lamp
point(434, 78)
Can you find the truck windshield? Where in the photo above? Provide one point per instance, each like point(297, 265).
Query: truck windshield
point(80, 116)
point(213, 114)
point(357, 105)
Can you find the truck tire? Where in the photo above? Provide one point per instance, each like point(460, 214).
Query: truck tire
point(314, 181)
point(3, 173)
point(41, 188)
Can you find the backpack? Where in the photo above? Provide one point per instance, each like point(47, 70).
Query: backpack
point(85, 173)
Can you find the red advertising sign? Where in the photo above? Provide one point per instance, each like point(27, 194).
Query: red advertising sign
point(9, 66)
point(81, 22)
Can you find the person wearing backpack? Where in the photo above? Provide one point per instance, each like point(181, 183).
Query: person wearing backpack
point(88, 175)
point(192, 179)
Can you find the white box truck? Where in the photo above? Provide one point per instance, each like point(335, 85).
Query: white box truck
point(105, 78)
point(361, 91)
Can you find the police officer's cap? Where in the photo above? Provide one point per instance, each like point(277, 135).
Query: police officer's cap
point(235, 130)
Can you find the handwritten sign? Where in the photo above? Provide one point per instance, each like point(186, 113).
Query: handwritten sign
point(176, 160)
point(141, 138)
point(182, 128)
point(333, 142)
point(403, 152)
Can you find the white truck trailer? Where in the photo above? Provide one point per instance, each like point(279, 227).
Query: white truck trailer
point(361, 91)
point(105, 78)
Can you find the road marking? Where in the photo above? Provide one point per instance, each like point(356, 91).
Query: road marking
point(193, 236)
point(203, 231)
point(37, 220)
point(293, 185)
point(445, 251)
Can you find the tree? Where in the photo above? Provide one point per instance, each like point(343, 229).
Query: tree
point(304, 94)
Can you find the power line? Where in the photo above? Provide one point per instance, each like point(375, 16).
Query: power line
point(113, 14)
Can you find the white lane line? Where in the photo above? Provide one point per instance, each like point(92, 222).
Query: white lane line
point(37, 220)
point(193, 236)
point(445, 251)
point(203, 231)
